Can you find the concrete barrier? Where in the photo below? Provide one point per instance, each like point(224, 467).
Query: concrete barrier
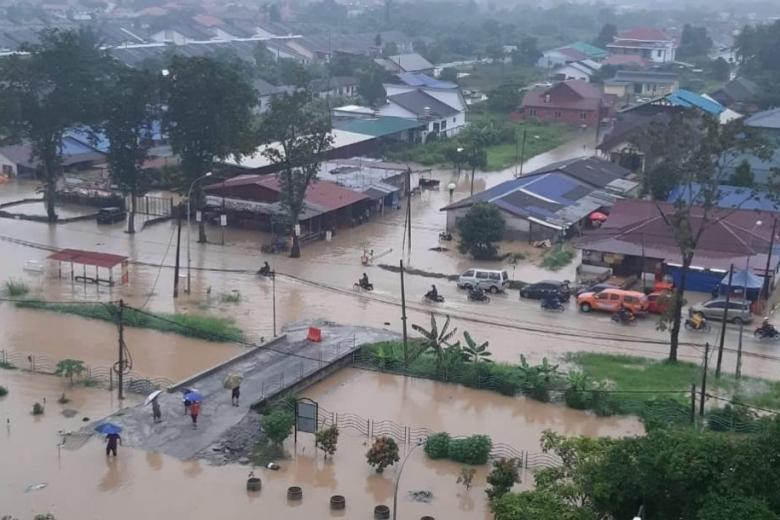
point(216, 368)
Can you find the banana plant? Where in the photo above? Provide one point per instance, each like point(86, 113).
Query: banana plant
point(437, 340)
point(475, 353)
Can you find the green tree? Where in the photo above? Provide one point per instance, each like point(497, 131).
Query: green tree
point(389, 49)
point(209, 118)
point(694, 41)
point(503, 99)
point(697, 151)
point(606, 35)
point(527, 52)
point(474, 352)
point(437, 340)
point(129, 112)
point(70, 368)
point(743, 176)
point(479, 229)
point(292, 72)
point(326, 439)
point(449, 74)
point(383, 453)
point(370, 85)
point(720, 69)
point(537, 505)
point(502, 477)
point(51, 89)
point(278, 424)
point(304, 137)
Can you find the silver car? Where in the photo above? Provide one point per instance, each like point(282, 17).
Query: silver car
point(738, 311)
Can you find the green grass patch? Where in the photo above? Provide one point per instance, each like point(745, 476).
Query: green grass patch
point(211, 328)
point(16, 288)
point(557, 257)
point(3, 391)
point(7, 365)
point(231, 297)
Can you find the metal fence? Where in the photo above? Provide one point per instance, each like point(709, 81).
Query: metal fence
point(150, 205)
point(92, 376)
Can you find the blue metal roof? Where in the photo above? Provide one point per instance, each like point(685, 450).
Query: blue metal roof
point(687, 99)
point(98, 140)
point(423, 80)
point(731, 197)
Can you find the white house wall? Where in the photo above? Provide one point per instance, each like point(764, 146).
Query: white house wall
point(391, 109)
point(7, 166)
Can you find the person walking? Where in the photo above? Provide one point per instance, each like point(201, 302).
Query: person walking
point(234, 395)
point(194, 412)
point(187, 404)
point(111, 443)
point(156, 413)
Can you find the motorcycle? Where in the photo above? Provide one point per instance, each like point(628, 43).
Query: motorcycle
point(703, 325)
point(264, 271)
point(436, 298)
point(624, 318)
point(445, 236)
point(478, 296)
point(553, 304)
point(764, 333)
point(365, 287)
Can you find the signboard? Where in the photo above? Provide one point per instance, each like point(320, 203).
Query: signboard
point(306, 412)
point(223, 220)
point(242, 205)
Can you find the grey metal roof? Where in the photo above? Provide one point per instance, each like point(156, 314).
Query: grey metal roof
point(645, 76)
point(765, 119)
point(324, 84)
point(411, 62)
point(590, 170)
point(419, 102)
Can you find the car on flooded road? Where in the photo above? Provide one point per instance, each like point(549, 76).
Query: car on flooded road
point(738, 310)
point(612, 300)
point(658, 302)
point(546, 288)
point(110, 215)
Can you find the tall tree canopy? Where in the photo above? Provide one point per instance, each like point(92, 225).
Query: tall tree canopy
point(52, 89)
point(130, 110)
point(606, 35)
point(303, 135)
point(209, 117)
point(694, 42)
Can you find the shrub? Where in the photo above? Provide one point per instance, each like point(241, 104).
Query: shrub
point(482, 225)
point(327, 438)
point(383, 453)
point(557, 257)
point(63, 399)
point(732, 419)
point(69, 368)
point(232, 297)
point(6, 365)
point(662, 412)
point(437, 446)
point(502, 478)
point(37, 409)
point(278, 424)
point(266, 452)
point(15, 288)
point(473, 450)
point(3, 391)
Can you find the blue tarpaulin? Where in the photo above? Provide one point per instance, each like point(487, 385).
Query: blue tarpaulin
point(743, 279)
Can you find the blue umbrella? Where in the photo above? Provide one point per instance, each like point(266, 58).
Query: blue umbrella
point(193, 396)
point(108, 428)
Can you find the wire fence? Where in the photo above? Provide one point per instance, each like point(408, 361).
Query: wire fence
point(98, 376)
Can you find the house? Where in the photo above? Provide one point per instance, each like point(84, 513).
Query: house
point(739, 94)
point(266, 93)
point(551, 202)
point(575, 102)
point(336, 86)
point(413, 79)
point(764, 170)
point(411, 62)
point(419, 105)
point(254, 201)
point(17, 159)
point(380, 181)
point(576, 51)
point(582, 69)
point(181, 33)
point(322, 47)
point(627, 61)
point(652, 44)
point(630, 84)
point(386, 129)
point(635, 239)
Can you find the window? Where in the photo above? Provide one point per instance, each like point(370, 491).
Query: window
point(482, 275)
point(602, 296)
point(629, 299)
point(454, 120)
point(737, 305)
point(547, 98)
point(716, 305)
point(435, 127)
point(532, 112)
point(468, 274)
point(494, 276)
point(443, 125)
point(583, 115)
point(557, 114)
point(504, 276)
point(614, 297)
point(659, 53)
point(8, 170)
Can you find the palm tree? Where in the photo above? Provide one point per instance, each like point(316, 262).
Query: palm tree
point(436, 340)
point(475, 353)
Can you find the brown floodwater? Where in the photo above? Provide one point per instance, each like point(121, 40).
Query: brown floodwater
point(141, 484)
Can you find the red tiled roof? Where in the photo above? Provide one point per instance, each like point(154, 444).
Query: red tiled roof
point(625, 60)
point(644, 34)
point(573, 53)
point(79, 256)
point(586, 96)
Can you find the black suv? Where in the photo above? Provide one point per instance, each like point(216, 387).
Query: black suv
point(539, 290)
point(110, 215)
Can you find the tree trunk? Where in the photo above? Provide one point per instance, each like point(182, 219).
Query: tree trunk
point(678, 304)
point(202, 224)
point(50, 198)
point(295, 250)
point(131, 215)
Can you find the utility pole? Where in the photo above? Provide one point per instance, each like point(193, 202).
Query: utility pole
point(409, 207)
point(739, 353)
point(693, 403)
point(765, 288)
point(121, 361)
point(725, 320)
point(403, 317)
point(522, 151)
point(704, 378)
point(273, 297)
point(178, 252)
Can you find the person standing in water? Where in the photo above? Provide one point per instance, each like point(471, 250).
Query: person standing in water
point(156, 413)
point(111, 443)
point(234, 395)
point(194, 412)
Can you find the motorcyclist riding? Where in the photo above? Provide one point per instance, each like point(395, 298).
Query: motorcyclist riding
point(551, 301)
point(698, 320)
point(363, 282)
point(433, 294)
point(265, 270)
point(625, 314)
point(767, 328)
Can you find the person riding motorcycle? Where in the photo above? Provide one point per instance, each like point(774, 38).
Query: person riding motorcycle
point(476, 293)
point(433, 294)
point(363, 282)
point(625, 314)
point(551, 301)
point(698, 320)
point(265, 270)
point(767, 328)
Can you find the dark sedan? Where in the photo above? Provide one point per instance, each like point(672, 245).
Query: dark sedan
point(539, 290)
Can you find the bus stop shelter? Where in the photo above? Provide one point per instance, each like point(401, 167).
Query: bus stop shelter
point(105, 261)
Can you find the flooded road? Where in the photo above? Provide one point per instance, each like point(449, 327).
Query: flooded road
point(319, 285)
point(139, 484)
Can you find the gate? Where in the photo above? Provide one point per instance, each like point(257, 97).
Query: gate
point(150, 205)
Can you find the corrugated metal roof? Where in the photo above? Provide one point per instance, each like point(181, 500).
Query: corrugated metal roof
point(379, 126)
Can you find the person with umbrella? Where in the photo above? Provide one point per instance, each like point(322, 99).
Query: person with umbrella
point(152, 398)
point(111, 431)
point(194, 398)
point(233, 383)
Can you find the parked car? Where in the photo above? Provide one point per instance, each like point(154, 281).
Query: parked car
point(738, 311)
point(110, 215)
point(611, 300)
point(486, 279)
point(658, 301)
point(545, 288)
point(596, 288)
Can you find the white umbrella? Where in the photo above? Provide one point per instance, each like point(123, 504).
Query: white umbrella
point(151, 397)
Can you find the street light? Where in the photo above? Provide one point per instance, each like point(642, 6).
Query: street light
point(451, 187)
point(398, 477)
point(459, 149)
point(189, 230)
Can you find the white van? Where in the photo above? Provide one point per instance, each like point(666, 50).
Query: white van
point(487, 279)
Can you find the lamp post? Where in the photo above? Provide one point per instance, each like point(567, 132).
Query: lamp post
point(398, 477)
point(459, 149)
point(189, 230)
point(451, 188)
